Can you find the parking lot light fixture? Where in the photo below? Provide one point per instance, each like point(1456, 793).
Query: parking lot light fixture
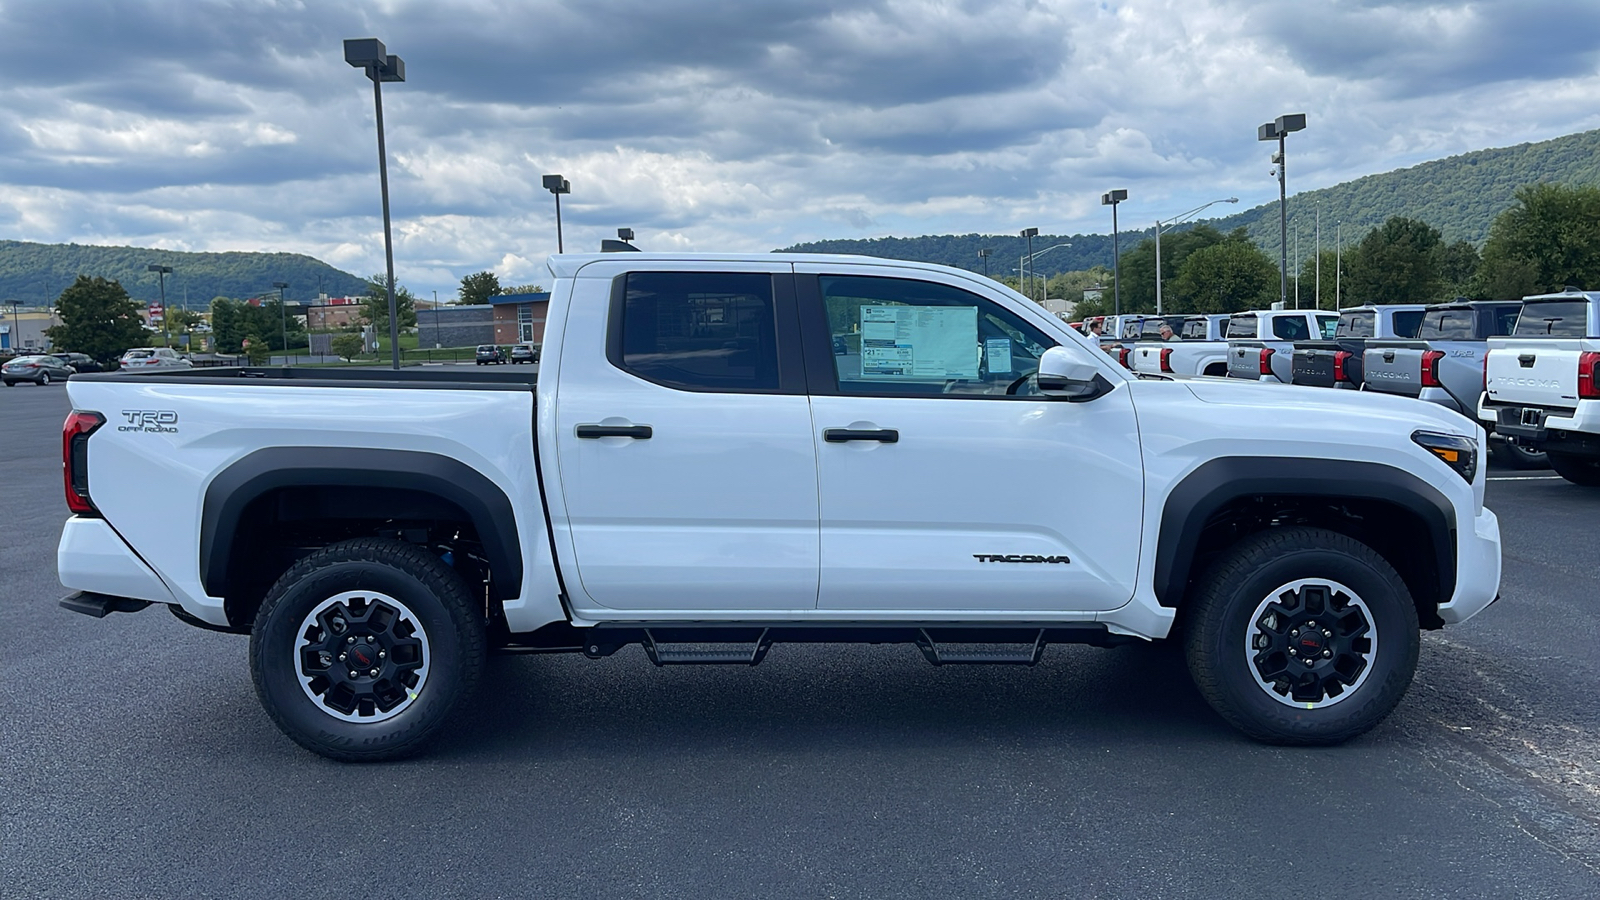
point(1024, 274)
point(369, 55)
point(1277, 130)
point(1111, 199)
point(161, 276)
point(1168, 225)
point(983, 254)
point(557, 185)
point(283, 318)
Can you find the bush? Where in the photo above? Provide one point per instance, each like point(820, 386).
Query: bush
point(255, 347)
point(347, 345)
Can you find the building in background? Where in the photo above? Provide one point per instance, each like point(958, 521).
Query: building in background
point(519, 318)
point(22, 328)
point(455, 326)
point(333, 312)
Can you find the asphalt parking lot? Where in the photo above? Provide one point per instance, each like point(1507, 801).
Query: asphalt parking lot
point(138, 763)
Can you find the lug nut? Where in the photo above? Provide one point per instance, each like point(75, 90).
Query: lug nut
point(354, 674)
point(374, 673)
point(369, 638)
point(382, 654)
point(341, 657)
point(350, 640)
point(1327, 633)
point(1293, 652)
point(1309, 662)
point(1327, 654)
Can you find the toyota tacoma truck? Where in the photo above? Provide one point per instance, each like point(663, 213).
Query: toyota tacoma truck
point(1197, 347)
point(1336, 363)
point(1261, 344)
point(1540, 384)
point(721, 454)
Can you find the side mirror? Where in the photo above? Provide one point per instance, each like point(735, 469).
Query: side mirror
point(1065, 373)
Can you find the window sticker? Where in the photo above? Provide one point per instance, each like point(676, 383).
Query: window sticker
point(919, 343)
point(997, 352)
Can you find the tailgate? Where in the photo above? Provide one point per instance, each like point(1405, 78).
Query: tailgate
point(1542, 373)
point(1313, 364)
point(1146, 357)
point(1393, 369)
point(1244, 359)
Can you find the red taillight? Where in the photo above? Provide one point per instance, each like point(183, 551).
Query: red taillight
point(1266, 360)
point(1166, 359)
point(1339, 359)
point(1430, 368)
point(1589, 375)
point(1122, 357)
point(75, 459)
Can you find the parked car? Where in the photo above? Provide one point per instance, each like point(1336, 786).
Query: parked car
point(717, 481)
point(524, 353)
point(1542, 383)
point(1197, 348)
point(152, 359)
point(1337, 363)
point(40, 370)
point(78, 362)
point(488, 354)
point(1261, 344)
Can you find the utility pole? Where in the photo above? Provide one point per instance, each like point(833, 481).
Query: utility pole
point(1319, 254)
point(1338, 264)
point(1296, 265)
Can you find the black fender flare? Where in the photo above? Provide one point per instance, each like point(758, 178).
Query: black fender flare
point(1213, 485)
point(233, 489)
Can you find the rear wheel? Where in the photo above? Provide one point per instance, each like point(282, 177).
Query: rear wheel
point(1516, 456)
point(44, 378)
point(1584, 470)
point(362, 649)
point(1302, 636)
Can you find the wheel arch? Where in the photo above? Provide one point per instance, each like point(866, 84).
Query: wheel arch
point(427, 484)
point(1383, 506)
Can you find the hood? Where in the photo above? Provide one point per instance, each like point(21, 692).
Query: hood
point(1419, 414)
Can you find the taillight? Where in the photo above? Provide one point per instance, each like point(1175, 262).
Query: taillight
point(75, 459)
point(1339, 359)
point(1589, 375)
point(1122, 357)
point(1430, 368)
point(1166, 359)
point(1266, 360)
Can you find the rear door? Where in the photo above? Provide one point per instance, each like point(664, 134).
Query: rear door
point(687, 467)
point(941, 490)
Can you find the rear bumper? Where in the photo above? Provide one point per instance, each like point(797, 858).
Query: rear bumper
point(1575, 430)
point(92, 558)
point(1477, 570)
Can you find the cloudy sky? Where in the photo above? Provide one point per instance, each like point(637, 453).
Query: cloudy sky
point(734, 124)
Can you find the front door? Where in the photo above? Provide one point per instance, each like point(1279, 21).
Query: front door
point(943, 486)
point(684, 439)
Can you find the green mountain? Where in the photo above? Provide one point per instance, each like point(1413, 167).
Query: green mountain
point(35, 274)
point(1459, 195)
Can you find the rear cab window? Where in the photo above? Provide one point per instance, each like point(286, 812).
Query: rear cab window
point(1242, 327)
point(1193, 330)
point(1407, 322)
point(1356, 324)
point(1326, 325)
point(1290, 328)
point(1553, 318)
point(1446, 325)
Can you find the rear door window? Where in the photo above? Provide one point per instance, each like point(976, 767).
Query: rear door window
point(1446, 325)
point(1553, 318)
point(1356, 325)
point(699, 331)
point(1406, 323)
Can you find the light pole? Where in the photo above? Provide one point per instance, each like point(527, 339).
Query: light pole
point(557, 185)
point(983, 254)
point(1027, 284)
point(161, 275)
point(370, 55)
point(283, 318)
point(438, 341)
point(1033, 256)
point(1168, 226)
point(1111, 199)
point(1338, 263)
point(1277, 130)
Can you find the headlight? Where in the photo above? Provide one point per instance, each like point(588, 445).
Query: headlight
point(1457, 452)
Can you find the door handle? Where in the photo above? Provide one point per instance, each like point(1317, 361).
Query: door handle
point(842, 435)
point(637, 432)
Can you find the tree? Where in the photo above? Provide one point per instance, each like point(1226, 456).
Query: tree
point(1460, 269)
point(1225, 277)
point(97, 318)
point(1139, 264)
point(1548, 240)
point(523, 289)
point(1401, 261)
point(1330, 282)
point(346, 346)
point(375, 305)
point(257, 349)
point(479, 287)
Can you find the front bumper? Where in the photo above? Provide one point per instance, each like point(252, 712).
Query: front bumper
point(1477, 570)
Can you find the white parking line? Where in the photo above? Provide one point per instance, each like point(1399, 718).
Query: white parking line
point(1525, 478)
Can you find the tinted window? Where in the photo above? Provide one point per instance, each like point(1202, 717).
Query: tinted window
point(1326, 325)
point(1290, 328)
point(701, 331)
point(1559, 318)
point(1505, 319)
point(1357, 325)
point(1131, 329)
point(1242, 327)
point(1406, 323)
point(139, 354)
point(901, 336)
point(1193, 330)
point(1446, 324)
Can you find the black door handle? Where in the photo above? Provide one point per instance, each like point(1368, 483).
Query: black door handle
point(637, 432)
point(841, 435)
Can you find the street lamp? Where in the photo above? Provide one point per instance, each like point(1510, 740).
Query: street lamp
point(370, 55)
point(1277, 130)
point(983, 254)
point(283, 318)
point(438, 341)
point(1033, 256)
point(1111, 199)
point(1022, 273)
point(557, 185)
point(1168, 226)
point(161, 275)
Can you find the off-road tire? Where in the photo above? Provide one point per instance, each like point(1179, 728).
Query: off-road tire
point(1516, 456)
point(1584, 470)
point(1223, 618)
point(439, 604)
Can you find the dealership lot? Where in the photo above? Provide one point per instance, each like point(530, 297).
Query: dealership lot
point(139, 762)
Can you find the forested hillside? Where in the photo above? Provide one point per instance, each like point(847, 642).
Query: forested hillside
point(36, 273)
point(1459, 195)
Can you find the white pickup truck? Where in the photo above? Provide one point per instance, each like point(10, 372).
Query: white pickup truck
point(1197, 347)
point(725, 452)
point(1540, 384)
point(1261, 344)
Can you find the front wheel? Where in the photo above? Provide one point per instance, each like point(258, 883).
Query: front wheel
point(1302, 636)
point(1584, 470)
point(362, 649)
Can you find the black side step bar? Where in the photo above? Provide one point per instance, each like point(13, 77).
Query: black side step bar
point(732, 654)
point(1013, 654)
point(101, 605)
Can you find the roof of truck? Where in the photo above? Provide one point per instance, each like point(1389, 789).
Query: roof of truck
point(566, 265)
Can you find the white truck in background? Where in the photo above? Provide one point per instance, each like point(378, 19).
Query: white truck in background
point(1542, 383)
point(722, 453)
point(1198, 347)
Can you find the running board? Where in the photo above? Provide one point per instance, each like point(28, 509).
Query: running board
point(699, 655)
point(991, 655)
